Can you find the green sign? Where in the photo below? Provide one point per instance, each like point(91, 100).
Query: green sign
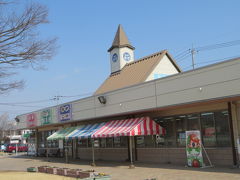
point(194, 149)
point(46, 116)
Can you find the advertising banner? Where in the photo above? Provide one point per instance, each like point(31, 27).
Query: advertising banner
point(65, 112)
point(31, 120)
point(194, 148)
point(46, 116)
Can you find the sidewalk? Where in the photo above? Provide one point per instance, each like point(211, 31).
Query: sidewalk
point(121, 171)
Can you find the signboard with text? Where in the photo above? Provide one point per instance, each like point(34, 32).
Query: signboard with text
point(46, 116)
point(31, 120)
point(194, 148)
point(65, 112)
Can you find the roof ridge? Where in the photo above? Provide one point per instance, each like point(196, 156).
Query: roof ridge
point(146, 57)
point(137, 61)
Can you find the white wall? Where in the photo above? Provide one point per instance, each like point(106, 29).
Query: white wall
point(164, 67)
point(212, 82)
point(120, 63)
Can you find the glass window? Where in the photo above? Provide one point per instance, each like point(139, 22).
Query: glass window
point(109, 142)
point(102, 142)
point(149, 141)
point(89, 140)
point(193, 122)
point(208, 129)
point(117, 141)
point(82, 143)
point(146, 141)
point(181, 127)
point(120, 142)
point(169, 124)
point(140, 141)
point(222, 128)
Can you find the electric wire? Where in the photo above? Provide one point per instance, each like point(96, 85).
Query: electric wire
point(216, 46)
point(40, 101)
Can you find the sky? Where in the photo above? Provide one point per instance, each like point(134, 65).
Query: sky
point(85, 30)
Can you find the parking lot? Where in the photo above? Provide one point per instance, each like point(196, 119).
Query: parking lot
point(121, 171)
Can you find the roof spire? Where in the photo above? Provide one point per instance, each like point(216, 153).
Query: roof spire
point(120, 40)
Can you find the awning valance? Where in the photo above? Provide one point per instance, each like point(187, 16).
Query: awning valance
point(84, 132)
point(129, 127)
point(62, 133)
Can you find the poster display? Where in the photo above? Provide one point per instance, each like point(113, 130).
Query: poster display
point(31, 149)
point(65, 112)
point(46, 116)
point(31, 120)
point(194, 149)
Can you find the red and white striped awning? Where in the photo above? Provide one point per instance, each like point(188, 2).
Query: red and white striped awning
point(129, 127)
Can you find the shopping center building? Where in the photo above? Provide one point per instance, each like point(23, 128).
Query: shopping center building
point(151, 103)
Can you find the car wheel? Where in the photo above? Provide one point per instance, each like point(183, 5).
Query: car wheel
point(13, 151)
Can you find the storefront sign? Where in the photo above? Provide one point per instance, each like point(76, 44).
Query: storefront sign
point(65, 112)
point(31, 120)
point(46, 116)
point(194, 148)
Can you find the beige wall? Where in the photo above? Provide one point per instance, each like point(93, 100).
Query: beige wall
point(165, 66)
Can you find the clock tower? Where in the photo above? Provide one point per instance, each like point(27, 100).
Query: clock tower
point(121, 51)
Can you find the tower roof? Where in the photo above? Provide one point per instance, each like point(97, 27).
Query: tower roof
point(120, 40)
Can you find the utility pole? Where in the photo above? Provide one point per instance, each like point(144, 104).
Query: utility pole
point(193, 52)
point(56, 98)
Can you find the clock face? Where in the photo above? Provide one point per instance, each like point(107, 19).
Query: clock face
point(114, 57)
point(126, 56)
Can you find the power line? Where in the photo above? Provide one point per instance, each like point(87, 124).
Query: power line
point(220, 45)
point(19, 105)
point(219, 60)
point(45, 100)
point(216, 60)
point(30, 102)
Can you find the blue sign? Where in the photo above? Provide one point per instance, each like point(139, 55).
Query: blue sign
point(65, 112)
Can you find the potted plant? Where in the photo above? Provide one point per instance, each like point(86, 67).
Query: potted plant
point(42, 169)
point(62, 171)
point(51, 170)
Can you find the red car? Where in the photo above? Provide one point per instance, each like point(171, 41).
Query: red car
point(20, 148)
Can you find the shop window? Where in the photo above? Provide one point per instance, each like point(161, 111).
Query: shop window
point(82, 143)
point(149, 141)
point(140, 141)
point(208, 129)
point(169, 124)
point(89, 140)
point(109, 142)
point(117, 141)
point(124, 141)
point(102, 142)
point(222, 128)
point(181, 127)
point(193, 122)
point(145, 141)
point(120, 142)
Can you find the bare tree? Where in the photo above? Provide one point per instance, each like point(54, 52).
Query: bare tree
point(5, 125)
point(20, 45)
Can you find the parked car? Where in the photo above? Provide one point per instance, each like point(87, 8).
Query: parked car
point(19, 147)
